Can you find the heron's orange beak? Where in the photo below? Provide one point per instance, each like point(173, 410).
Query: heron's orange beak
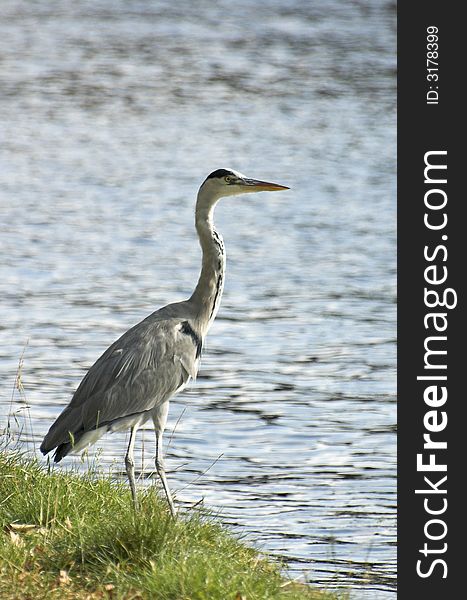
point(264, 186)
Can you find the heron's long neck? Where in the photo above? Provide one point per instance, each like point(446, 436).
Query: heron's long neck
point(207, 295)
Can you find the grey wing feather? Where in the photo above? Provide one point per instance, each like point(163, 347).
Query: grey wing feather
point(142, 369)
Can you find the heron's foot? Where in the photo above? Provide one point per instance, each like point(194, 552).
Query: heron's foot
point(134, 497)
point(170, 503)
point(135, 503)
point(130, 470)
point(161, 472)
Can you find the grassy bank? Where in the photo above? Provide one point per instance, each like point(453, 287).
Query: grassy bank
point(67, 536)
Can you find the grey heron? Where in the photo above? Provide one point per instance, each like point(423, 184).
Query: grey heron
point(137, 375)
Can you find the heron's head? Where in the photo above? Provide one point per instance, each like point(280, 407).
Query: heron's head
point(227, 182)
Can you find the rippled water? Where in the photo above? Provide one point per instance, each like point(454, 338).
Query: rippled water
point(111, 115)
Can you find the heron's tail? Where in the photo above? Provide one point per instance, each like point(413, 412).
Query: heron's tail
point(72, 443)
point(64, 434)
point(62, 451)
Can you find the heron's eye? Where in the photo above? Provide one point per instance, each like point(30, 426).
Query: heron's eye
point(228, 179)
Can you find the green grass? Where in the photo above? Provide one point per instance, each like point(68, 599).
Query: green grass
point(85, 541)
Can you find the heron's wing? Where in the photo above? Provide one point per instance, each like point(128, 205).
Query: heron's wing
point(142, 369)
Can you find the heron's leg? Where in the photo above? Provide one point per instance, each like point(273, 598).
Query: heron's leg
point(130, 464)
point(161, 472)
point(159, 416)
